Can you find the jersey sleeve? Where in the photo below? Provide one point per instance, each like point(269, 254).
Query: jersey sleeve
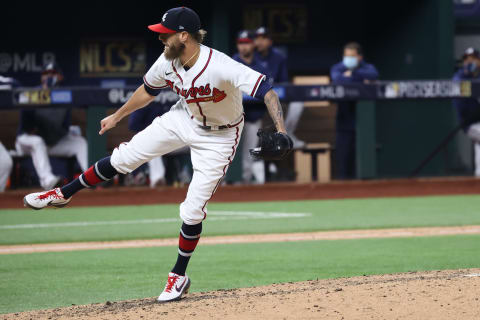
point(153, 80)
point(242, 77)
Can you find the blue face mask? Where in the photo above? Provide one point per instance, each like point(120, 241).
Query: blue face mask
point(350, 62)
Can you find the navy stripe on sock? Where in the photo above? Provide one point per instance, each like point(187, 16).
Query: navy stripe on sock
point(69, 189)
point(105, 169)
point(189, 233)
point(192, 230)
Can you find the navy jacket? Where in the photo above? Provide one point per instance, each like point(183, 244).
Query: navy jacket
point(275, 63)
point(52, 124)
point(468, 109)
point(142, 118)
point(346, 114)
point(254, 108)
point(364, 71)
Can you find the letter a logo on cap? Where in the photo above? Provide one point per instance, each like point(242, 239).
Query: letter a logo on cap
point(164, 16)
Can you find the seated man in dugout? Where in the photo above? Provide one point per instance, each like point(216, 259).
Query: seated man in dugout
point(47, 132)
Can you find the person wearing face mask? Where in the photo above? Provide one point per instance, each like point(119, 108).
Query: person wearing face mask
point(468, 110)
point(47, 131)
point(352, 69)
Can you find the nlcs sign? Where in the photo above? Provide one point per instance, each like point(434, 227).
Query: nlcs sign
point(112, 58)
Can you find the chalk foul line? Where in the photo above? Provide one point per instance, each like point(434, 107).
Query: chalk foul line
point(213, 216)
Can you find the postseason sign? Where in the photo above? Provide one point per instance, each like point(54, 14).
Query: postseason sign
point(424, 89)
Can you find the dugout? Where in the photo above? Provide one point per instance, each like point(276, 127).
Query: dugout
point(409, 40)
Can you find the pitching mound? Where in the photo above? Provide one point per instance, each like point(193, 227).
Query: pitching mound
point(417, 295)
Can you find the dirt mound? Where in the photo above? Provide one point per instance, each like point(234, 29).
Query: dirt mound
point(416, 295)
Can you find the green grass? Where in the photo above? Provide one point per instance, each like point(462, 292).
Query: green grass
point(47, 280)
point(325, 215)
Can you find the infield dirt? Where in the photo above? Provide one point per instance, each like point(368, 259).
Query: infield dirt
point(416, 295)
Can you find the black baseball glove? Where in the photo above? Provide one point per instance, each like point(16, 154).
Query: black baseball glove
point(273, 146)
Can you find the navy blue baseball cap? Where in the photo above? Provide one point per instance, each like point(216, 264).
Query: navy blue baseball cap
point(262, 31)
point(244, 36)
point(51, 67)
point(177, 20)
point(471, 52)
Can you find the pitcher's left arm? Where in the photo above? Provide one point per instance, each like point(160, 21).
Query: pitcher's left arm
point(275, 110)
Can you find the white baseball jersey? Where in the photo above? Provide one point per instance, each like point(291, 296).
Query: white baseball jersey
point(210, 91)
point(210, 95)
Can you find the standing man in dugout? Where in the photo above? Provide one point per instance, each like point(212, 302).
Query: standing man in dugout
point(276, 64)
point(468, 110)
point(352, 69)
point(208, 118)
point(254, 111)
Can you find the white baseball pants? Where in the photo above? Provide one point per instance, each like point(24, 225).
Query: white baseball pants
point(473, 133)
point(295, 110)
point(70, 145)
point(156, 170)
point(250, 141)
point(6, 164)
point(211, 153)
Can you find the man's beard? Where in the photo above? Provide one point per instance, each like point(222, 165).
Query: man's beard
point(173, 51)
point(247, 54)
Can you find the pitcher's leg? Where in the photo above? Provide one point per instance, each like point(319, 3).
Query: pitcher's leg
point(211, 157)
point(157, 139)
point(210, 162)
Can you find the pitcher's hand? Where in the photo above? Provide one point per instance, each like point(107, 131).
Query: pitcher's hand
point(108, 123)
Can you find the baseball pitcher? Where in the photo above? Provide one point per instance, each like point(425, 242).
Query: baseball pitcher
point(208, 118)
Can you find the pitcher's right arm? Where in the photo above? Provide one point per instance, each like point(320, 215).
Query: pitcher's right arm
point(139, 99)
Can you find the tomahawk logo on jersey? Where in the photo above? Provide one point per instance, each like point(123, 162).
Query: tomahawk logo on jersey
point(210, 91)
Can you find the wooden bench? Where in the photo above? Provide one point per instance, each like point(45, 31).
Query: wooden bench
point(313, 163)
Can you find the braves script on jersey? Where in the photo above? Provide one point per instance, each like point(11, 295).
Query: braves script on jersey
point(211, 90)
point(210, 95)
